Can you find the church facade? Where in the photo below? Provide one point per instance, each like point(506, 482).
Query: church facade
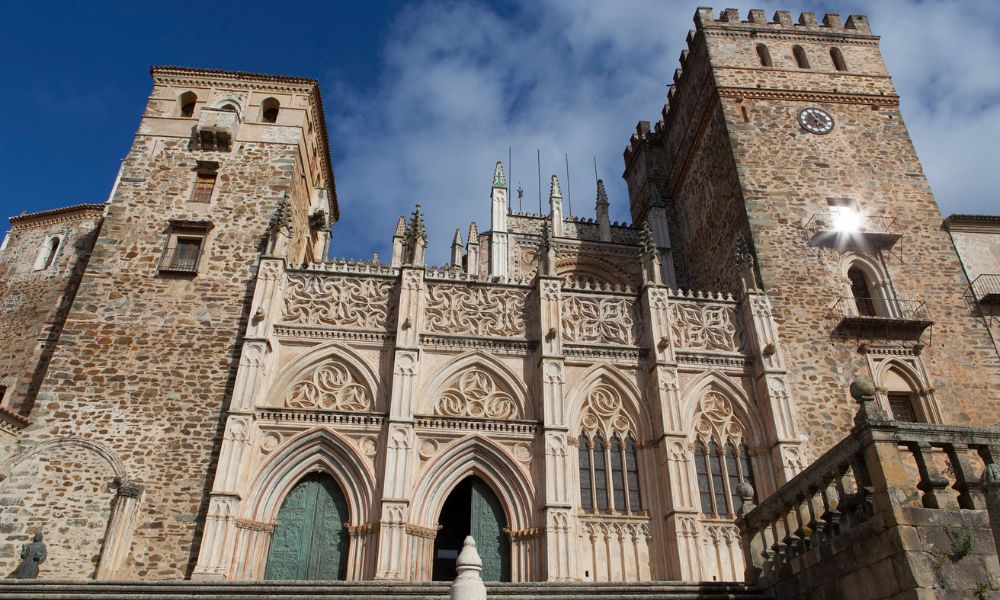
point(195, 391)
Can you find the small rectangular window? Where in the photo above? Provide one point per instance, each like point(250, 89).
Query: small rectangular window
point(203, 187)
point(184, 248)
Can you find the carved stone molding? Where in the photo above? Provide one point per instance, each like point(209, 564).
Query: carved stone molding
point(423, 532)
point(330, 386)
point(475, 310)
point(339, 301)
point(474, 393)
point(599, 320)
point(252, 525)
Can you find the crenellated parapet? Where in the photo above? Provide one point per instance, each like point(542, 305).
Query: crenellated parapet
point(781, 22)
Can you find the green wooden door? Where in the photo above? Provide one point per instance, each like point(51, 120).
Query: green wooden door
point(309, 541)
point(488, 522)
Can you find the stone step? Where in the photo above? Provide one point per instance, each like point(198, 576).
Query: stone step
point(193, 590)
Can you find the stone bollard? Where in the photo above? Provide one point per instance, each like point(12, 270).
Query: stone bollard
point(468, 584)
point(991, 481)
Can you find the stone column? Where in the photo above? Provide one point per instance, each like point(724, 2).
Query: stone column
point(991, 483)
point(219, 541)
point(555, 430)
point(772, 389)
point(673, 522)
point(395, 556)
point(121, 527)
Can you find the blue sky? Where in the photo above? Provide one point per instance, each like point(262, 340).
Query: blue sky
point(423, 97)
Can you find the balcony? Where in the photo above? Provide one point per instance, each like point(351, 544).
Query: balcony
point(180, 259)
point(216, 128)
point(986, 289)
point(880, 318)
point(868, 232)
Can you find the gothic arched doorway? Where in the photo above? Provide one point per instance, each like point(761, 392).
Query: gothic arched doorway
point(472, 509)
point(310, 541)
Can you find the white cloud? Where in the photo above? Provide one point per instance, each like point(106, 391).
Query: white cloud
point(460, 82)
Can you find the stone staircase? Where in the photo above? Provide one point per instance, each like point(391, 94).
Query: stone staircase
point(184, 590)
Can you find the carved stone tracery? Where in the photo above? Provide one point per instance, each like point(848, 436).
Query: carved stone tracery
point(475, 310)
point(330, 386)
point(344, 301)
point(474, 393)
point(604, 412)
point(601, 320)
point(704, 326)
point(716, 420)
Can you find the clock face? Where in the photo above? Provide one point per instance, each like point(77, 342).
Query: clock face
point(816, 120)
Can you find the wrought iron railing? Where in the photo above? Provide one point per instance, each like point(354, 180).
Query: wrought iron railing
point(879, 309)
point(864, 224)
point(986, 287)
point(174, 262)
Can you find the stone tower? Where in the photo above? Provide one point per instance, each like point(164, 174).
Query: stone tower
point(782, 143)
point(225, 167)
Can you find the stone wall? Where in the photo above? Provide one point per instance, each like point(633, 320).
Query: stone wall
point(785, 176)
point(145, 364)
point(34, 298)
point(977, 241)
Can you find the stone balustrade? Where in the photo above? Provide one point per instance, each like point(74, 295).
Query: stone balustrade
point(860, 504)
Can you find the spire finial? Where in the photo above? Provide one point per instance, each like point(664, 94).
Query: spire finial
point(602, 195)
point(400, 226)
point(416, 228)
point(458, 237)
point(646, 239)
point(554, 191)
point(498, 179)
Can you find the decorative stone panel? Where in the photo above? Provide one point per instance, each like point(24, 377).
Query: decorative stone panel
point(478, 311)
point(339, 301)
point(603, 320)
point(698, 326)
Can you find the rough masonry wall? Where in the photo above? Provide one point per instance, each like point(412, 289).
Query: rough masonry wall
point(146, 359)
point(33, 302)
point(788, 174)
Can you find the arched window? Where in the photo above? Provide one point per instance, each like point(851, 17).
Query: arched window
point(838, 59)
point(861, 290)
point(608, 462)
point(187, 102)
point(800, 57)
point(721, 458)
point(269, 110)
point(47, 254)
point(763, 55)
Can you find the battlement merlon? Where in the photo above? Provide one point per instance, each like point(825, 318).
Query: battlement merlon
point(300, 106)
point(781, 22)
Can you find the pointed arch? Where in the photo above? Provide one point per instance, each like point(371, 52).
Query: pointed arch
point(610, 375)
point(474, 455)
point(923, 401)
point(581, 269)
point(314, 358)
point(317, 450)
point(742, 407)
point(509, 381)
point(877, 280)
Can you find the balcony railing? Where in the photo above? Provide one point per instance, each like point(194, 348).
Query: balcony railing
point(172, 262)
point(986, 288)
point(881, 467)
point(871, 232)
point(880, 317)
